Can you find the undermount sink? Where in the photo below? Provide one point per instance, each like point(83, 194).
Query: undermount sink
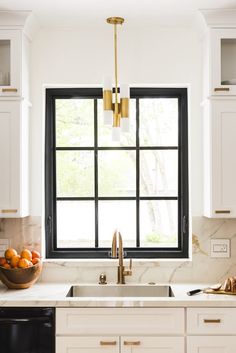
point(120, 291)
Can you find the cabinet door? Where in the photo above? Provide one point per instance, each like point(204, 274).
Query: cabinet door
point(10, 62)
point(86, 344)
point(145, 344)
point(211, 344)
point(13, 159)
point(219, 159)
point(222, 61)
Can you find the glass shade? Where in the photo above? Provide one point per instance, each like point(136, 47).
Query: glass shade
point(116, 133)
point(107, 83)
point(124, 124)
point(108, 117)
point(124, 91)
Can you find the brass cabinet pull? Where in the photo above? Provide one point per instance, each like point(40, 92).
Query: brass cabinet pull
point(108, 343)
point(212, 321)
point(222, 211)
point(9, 90)
point(8, 211)
point(132, 343)
point(221, 89)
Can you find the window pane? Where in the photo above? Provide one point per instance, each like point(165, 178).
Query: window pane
point(158, 223)
point(158, 173)
point(75, 173)
point(105, 132)
point(74, 122)
point(116, 173)
point(158, 122)
point(75, 224)
point(119, 215)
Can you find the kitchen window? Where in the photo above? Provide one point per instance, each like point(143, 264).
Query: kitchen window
point(94, 186)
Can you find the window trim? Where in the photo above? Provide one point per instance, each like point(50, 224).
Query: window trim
point(50, 176)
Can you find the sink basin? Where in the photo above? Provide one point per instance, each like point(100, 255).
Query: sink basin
point(120, 291)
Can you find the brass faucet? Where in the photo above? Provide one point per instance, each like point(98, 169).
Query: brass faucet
point(122, 272)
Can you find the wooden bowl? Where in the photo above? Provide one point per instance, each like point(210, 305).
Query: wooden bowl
point(20, 278)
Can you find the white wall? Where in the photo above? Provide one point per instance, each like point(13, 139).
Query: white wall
point(146, 56)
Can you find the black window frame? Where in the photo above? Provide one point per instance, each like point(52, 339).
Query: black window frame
point(182, 251)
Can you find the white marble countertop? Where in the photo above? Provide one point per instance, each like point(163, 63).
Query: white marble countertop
point(54, 295)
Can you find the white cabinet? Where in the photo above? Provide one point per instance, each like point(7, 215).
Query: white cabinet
point(14, 115)
point(211, 330)
point(126, 330)
point(223, 61)
point(14, 77)
point(210, 344)
point(220, 158)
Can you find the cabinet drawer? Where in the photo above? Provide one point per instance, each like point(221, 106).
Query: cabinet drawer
point(87, 344)
point(119, 321)
point(210, 344)
point(150, 344)
point(211, 321)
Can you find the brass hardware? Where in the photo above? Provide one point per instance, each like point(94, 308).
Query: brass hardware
point(107, 100)
point(102, 278)
point(121, 271)
point(212, 321)
point(222, 211)
point(124, 107)
point(8, 211)
point(115, 20)
point(221, 89)
point(132, 343)
point(9, 90)
point(108, 343)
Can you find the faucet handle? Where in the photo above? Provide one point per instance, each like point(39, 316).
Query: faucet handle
point(129, 271)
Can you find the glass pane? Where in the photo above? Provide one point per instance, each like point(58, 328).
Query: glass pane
point(74, 122)
point(105, 132)
point(228, 58)
point(5, 62)
point(116, 173)
point(75, 173)
point(158, 173)
point(75, 224)
point(158, 223)
point(158, 122)
point(119, 215)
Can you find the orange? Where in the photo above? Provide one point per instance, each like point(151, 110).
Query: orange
point(6, 265)
point(23, 263)
point(3, 261)
point(9, 253)
point(26, 254)
point(14, 260)
point(35, 261)
point(35, 254)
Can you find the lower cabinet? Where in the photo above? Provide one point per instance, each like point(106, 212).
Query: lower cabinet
point(146, 330)
point(211, 344)
point(123, 344)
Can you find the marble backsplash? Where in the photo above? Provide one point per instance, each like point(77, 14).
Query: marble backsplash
point(27, 232)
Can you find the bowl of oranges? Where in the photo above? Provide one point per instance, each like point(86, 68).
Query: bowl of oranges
point(20, 271)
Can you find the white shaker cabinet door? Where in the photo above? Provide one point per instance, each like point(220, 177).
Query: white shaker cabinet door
point(150, 344)
point(211, 344)
point(220, 158)
point(87, 344)
point(14, 159)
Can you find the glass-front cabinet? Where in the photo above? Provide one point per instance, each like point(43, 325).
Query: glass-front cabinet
point(10, 62)
point(223, 61)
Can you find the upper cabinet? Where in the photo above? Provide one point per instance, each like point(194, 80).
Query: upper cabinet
point(223, 61)
point(14, 54)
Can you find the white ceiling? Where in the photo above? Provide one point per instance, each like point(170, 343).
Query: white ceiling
point(93, 12)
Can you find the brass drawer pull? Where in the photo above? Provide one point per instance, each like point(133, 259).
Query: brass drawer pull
point(8, 211)
point(107, 343)
point(212, 321)
point(221, 89)
point(222, 211)
point(9, 90)
point(132, 343)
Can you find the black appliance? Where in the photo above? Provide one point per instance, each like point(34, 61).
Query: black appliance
point(27, 330)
